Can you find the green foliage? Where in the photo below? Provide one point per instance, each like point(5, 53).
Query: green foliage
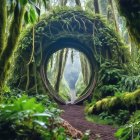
point(96, 119)
point(108, 90)
point(30, 15)
point(114, 78)
point(110, 72)
point(133, 67)
point(131, 130)
point(130, 83)
point(119, 117)
point(9, 95)
point(135, 117)
point(124, 133)
point(108, 83)
point(124, 101)
point(22, 117)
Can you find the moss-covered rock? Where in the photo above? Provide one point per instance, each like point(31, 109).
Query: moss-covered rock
point(130, 101)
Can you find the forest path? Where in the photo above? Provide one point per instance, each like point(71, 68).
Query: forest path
point(74, 114)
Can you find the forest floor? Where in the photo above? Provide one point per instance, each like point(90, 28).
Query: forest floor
point(74, 114)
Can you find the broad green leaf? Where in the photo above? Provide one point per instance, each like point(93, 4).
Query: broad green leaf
point(33, 16)
point(23, 2)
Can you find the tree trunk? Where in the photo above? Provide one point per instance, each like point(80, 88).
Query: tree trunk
point(87, 76)
point(78, 2)
point(114, 15)
point(63, 2)
point(96, 7)
point(59, 75)
point(14, 31)
point(72, 56)
point(3, 17)
point(83, 67)
point(65, 59)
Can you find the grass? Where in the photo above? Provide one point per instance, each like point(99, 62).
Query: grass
point(97, 120)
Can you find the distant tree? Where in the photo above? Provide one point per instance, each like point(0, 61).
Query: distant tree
point(59, 74)
point(114, 14)
point(85, 69)
point(96, 6)
point(78, 2)
point(103, 7)
point(63, 2)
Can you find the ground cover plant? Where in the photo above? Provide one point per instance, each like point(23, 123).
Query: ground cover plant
point(24, 117)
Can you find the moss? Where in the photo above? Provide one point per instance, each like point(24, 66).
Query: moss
point(3, 17)
point(90, 109)
point(114, 101)
point(12, 41)
point(130, 101)
point(64, 23)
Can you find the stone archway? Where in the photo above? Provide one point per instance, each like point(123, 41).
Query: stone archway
point(84, 31)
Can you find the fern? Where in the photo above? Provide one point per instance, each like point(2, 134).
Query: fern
point(130, 83)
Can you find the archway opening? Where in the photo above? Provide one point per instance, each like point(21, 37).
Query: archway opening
point(69, 72)
point(60, 44)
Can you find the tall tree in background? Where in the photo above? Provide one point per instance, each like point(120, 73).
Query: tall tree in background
point(63, 2)
point(78, 2)
point(57, 67)
point(85, 69)
point(114, 16)
point(3, 14)
point(10, 31)
point(96, 6)
point(130, 9)
point(8, 47)
point(60, 68)
point(66, 50)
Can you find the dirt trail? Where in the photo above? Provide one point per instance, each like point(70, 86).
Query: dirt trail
point(74, 114)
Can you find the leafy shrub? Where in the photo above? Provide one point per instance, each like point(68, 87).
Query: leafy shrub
point(110, 73)
point(120, 117)
point(108, 90)
point(9, 95)
point(115, 78)
point(130, 83)
point(108, 83)
point(24, 118)
point(131, 130)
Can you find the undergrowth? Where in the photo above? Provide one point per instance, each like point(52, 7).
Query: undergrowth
point(27, 117)
point(131, 130)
